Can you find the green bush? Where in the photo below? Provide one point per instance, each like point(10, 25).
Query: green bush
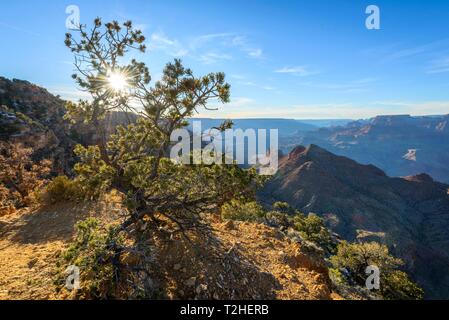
point(237, 210)
point(60, 189)
point(356, 257)
point(278, 219)
point(283, 207)
point(312, 229)
point(32, 123)
point(111, 264)
point(96, 252)
point(398, 286)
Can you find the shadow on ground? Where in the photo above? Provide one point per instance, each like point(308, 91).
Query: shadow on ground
point(52, 223)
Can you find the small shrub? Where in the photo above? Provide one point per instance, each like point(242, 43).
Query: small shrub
point(312, 229)
point(398, 286)
point(394, 284)
point(283, 207)
point(336, 276)
point(20, 175)
point(278, 219)
point(237, 210)
point(60, 189)
point(96, 252)
point(111, 265)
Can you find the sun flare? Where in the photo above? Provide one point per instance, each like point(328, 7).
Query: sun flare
point(117, 81)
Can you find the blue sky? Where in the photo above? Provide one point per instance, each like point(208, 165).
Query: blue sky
point(284, 59)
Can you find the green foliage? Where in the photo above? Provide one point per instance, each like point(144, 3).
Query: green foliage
point(398, 286)
point(243, 211)
point(134, 160)
point(60, 189)
point(93, 174)
point(96, 252)
point(356, 257)
point(312, 229)
point(10, 127)
point(283, 207)
point(32, 123)
point(278, 219)
point(337, 277)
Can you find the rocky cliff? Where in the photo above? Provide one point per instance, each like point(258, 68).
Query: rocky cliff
point(360, 202)
point(32, 116)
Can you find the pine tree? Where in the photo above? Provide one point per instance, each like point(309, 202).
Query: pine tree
point(133, 161)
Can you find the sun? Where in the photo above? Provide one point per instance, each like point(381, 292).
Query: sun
point(117, 81)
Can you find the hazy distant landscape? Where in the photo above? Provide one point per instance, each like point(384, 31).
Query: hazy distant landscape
point(400, 145)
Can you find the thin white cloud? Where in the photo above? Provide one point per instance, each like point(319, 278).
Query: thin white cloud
point(255, 53)
point(200, 41)
point(26, 31)
point(410, 52)
point(391, 103)
point(304, 111)
point(358, 85)
point(336, 110)
point(253, 84)
point(172, 47)
point(439, 66)
point(418, 54)
point(141, 26)
point(208, 48)
point(247, 83)
point(213, 57)
point(415, 108)
point(236, 105)
point(239, 102)
point(244, 81)
point(238, 76)
point(296, 70)
point(226, 40)
point(430, 47)
point(243, 44)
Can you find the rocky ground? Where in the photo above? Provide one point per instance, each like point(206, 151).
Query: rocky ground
point(239, 260)
point(243, 260)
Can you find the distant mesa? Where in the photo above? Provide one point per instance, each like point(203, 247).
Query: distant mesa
point(401, 145)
